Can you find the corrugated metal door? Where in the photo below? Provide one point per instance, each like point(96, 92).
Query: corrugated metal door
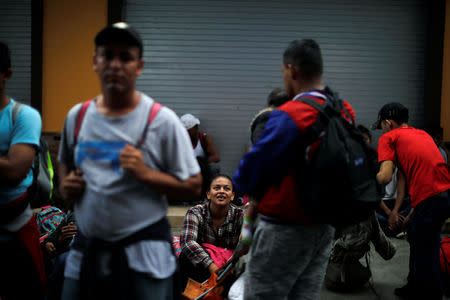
point(219, 59)
point(15, 30)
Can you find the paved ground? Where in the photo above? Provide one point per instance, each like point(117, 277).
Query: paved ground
point(387, 275)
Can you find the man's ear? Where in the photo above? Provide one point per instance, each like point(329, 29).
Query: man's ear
point(141, 64)
point(390, 124)
point(293, 71)
point(94, 62)
point(8, 73)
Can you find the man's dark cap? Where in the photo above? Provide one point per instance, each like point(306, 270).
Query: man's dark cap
point(391, 111)
point(119, 32)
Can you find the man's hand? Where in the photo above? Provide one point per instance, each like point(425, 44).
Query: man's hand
point(72, 185)
point(213, 268)
point(50, 248)
point(395, 219)
point(406, 220)
point(405, 223)
point(67, 233)
point(132, 161)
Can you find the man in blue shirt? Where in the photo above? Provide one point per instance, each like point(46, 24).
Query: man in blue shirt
point(20, 253)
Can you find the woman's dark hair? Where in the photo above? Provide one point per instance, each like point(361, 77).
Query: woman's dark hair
point(5, 57)
point(277, 97)
point(221, 175)
point(306, 56)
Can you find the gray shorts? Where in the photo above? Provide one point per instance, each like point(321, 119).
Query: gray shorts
point(287, 261)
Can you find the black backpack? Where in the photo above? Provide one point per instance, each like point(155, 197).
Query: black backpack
point(338, 183)
point(40, 191)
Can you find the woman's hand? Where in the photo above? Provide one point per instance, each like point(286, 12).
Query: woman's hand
point(213, 268)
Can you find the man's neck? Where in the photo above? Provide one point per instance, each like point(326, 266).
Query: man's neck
point(305, 86)
point(4, 100)
point(403, 125)
point(113, 104)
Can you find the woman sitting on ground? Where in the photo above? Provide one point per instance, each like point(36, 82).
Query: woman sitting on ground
point(210, 231)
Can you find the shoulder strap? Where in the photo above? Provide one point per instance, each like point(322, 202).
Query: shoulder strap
point(310, 101)
point(80, 117)
point(313, 132)
point(151, 115)
point(16, 107)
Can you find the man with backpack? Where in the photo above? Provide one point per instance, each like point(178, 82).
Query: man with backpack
point(22, 273)
point(419, 161)
point(121, 154)
point(290, 251)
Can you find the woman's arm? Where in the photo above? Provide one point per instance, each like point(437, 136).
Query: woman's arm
point(188, 240)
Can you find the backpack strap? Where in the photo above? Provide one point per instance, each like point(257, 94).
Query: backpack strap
point(79, 121)
point(16, 108)
point(312, 134)
point(332, 106)
point(151, 115)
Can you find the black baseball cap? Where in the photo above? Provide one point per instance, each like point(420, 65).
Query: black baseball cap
point(392, 111)
point(120, 31)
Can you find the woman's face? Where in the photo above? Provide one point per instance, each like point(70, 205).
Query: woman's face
point(220, 191)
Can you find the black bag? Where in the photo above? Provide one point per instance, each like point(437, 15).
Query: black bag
point(40, 191)
point(338, 183)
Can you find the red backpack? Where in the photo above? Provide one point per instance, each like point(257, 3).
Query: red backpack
point(151, 115)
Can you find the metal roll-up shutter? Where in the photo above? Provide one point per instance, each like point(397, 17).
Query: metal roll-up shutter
point(15, 30)
point(219, 59)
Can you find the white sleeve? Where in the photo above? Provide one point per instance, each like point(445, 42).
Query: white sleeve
point(177, 153)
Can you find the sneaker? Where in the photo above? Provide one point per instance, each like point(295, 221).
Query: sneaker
point(405, 291)
point(401, 235)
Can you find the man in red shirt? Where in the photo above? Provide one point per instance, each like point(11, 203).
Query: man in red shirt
point(427, 177)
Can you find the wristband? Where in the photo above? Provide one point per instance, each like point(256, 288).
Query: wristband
point(247, 231)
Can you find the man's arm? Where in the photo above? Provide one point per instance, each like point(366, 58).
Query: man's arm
point(385, 208)
point(211, 149)
point(15, 166)
point(25, 134)
point(395, 218)
point(270, 157)
point(132, 161)
point(384, 176)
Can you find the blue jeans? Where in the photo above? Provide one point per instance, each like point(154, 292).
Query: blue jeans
point(424, 237)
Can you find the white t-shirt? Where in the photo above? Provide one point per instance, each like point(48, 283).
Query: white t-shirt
point(115, 205)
